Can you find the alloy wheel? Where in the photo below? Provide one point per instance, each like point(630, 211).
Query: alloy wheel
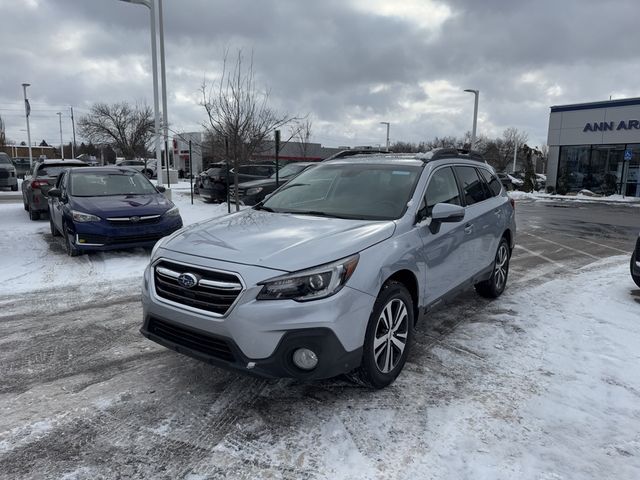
point(390, 336)
point(501, 268)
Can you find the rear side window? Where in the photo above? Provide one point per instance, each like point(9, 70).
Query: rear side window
point(472, 187)
point(492, 181)
point(53, 169)
point(442, 189)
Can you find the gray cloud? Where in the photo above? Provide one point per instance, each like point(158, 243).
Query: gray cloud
point(347, 65)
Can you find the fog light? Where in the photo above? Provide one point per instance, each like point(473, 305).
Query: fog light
point(305, 359)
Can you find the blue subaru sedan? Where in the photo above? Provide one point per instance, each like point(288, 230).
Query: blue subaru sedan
point(106, 208)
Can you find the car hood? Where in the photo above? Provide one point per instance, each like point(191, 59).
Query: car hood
point(261, 183)
point(280, 241)
point(122, 205)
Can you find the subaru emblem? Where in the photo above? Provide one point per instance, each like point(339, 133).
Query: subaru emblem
point(134, 219)
point(187, 280)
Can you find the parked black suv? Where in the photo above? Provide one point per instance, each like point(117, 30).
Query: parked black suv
point(213, 184)
point(253, 192)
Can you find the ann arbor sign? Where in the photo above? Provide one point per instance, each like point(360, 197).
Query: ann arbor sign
point(606, 126)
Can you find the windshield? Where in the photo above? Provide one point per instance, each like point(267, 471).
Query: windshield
point(359, 191)
point(289, 170)
point(4, 159)
point(53, 170)
point(103, 184)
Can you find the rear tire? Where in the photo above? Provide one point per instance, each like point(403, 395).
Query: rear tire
point(495, 285)
point(636, 278)
point(33, 215)
point(14, 188)
point(388, 336)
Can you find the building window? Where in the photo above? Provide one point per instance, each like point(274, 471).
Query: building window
point(598, 168)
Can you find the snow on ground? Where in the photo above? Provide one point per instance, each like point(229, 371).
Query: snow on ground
point(32, 259)
point(518, 195)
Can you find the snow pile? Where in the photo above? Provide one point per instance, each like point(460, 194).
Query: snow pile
point(580, 197)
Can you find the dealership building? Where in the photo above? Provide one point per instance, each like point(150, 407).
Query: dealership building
point(595, 146)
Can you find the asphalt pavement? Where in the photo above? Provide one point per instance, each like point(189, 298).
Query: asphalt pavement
point(84, 395)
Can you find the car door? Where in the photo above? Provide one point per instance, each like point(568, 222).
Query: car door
point(442, 246)
point(57, 203)
point(499, 205)
point(479, 223)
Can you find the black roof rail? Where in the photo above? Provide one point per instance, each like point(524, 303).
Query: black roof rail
point(440, 153)
point(355, 151)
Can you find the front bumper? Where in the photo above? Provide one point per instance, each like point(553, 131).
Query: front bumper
point(259, 337)
point(223, 352)
point(102, 236)
point(635, 260)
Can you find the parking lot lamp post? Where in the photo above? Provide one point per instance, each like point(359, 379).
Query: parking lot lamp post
point(163, 83)
point(61, 144)
point(27, 112)
point(388, 125)
point(475, 116)
point(151, 5)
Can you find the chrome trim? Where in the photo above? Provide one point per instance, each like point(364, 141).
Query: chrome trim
point(220, 285)
point(128, 219)
point(167, 273)
point(181, 306)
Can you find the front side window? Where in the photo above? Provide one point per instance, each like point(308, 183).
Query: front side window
point(4, 159)
point(104, 184)
point(442, 189)
point(359, 191)
point(472, 187)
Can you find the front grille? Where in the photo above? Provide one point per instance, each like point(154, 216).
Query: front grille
point(120, 240)
point(4, 173)
point(213, 292)
point(194, 340)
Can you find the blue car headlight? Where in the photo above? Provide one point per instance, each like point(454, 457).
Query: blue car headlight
point(82, 217)
point(172, 212)
point(311, 284)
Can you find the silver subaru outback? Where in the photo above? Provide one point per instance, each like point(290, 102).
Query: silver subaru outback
point(331, 273)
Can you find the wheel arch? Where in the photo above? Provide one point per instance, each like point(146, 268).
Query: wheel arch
point(409, 280)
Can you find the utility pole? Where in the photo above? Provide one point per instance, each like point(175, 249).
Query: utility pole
point(515, 154)
point(277, 158)
point(73, 126)
point(164, 91)
point(27, 112)
point(61, 144)
point(388, 125)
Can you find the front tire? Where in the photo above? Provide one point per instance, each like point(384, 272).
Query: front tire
point(14, 188)
point(495, 285)
point(388, 336)
point(69, 244)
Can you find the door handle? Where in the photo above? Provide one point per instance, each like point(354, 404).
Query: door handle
point(468, 228)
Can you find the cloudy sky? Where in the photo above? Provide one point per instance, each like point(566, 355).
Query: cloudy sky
point(349, 64)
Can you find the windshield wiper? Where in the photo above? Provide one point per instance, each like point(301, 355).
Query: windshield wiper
point(259, 206)
point(318, 213)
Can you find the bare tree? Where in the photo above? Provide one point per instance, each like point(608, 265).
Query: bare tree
point(239, 112)
point(127, 129)
point(301, 131)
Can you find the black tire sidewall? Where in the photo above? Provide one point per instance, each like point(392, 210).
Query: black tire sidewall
point(72, 251)
point(389, 291)
point(636, 278)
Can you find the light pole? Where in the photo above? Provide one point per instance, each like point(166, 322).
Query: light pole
point(73, 126)
point(151, 5)
point(27, 112)
point(164, 90)
point(475, 116)
point(388, 125)
point(61, 144)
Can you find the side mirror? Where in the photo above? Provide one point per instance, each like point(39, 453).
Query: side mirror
point(55, 193)
point(446, 212)
point(161, 189)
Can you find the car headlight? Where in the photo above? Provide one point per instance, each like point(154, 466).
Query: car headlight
point(172, 212)
point(83, 217)
point(253, 191)
point(311, 284)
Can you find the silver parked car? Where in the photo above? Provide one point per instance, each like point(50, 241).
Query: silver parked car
point(8, 176)
point(330, 274)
